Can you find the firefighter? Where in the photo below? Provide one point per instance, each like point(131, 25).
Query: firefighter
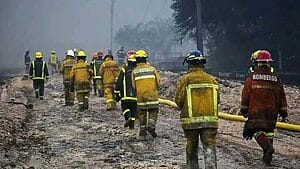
point(27, 61)
point(95, 65)
point(263, 98)
point(125, 92)
point(109, 71)
point(38, 72)
point(197, 97)
point(145, 80)
point(53, 62)
point(121, 54)
point(81, 76)
point(65, 69)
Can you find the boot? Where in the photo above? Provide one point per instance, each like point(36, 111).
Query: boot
point(143, 131)
point(131, 125)
point(151, 127)
point(267, 147)
point(36, 94)
point(100, 93)
point(152, 132)
point(95, 91)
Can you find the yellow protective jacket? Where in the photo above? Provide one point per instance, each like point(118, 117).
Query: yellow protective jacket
point(109, 71)
point(81, 75)
point(66, 67)
point(197, 97)
point(145, 80)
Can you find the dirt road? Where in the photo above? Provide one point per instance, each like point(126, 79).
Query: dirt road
point(62, 137)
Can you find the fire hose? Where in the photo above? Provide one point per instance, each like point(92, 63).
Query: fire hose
point(226, 116)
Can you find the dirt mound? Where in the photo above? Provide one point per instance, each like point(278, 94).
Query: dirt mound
point(13, 112)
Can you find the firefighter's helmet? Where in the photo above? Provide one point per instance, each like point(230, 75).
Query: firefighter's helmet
point(264, 56)
point(131, 52)
point(70, 53)
point(100, 54)
point(254, 55)
point(81, 54)
point(38, 55)
point(95, 55)
point(108, 56)
point(194, 55)
point(141, 54)
point(131, 58)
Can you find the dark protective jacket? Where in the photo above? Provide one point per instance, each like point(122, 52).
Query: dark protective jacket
point(197, 97)
point(95, 65)
point(38, 69)
point(81, 75)
point(124, 87)
point(145, 80)
point(27, 59)
point(263, 97)
point(66, 67)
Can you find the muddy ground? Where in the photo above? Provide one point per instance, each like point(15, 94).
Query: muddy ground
point(54, 136)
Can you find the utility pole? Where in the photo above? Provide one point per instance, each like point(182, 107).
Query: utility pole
point(111, 24)
point(199, 25)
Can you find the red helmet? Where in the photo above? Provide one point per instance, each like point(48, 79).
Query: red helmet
point(264, 56)
point(131, 52)
point(100, 54)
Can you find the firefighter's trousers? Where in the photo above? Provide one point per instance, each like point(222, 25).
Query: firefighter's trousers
point(148, 118)
point(97, 86)
point(83, 100)
point(38, 85)
point(208, 140)
point(27, 67)
point(109, 99)
point(69, 96)
point(53, 68)
point(265, 140)
point(129, 109)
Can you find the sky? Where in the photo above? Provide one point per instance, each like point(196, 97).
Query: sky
point(66, 24)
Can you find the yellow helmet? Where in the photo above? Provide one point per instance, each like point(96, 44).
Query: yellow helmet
point(254, 55)
point(81, 54)
point(141, 54)
point(95, 55)
point(38, 54)
point(131, 58)
point(53, 52)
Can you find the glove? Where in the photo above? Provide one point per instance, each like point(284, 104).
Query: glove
point(247, 133)
point(244, 112)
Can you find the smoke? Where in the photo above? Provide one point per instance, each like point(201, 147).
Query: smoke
point(65, 24)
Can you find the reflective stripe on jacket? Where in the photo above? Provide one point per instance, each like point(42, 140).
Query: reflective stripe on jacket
point(197, 97)
point(96, 68)
point(124, 85)
point(38, 70)
point(145, 80)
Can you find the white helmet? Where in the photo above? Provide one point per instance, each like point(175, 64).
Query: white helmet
point(70, 53)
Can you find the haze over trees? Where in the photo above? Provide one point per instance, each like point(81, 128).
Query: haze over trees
point(233, 29)
point(156, 35)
